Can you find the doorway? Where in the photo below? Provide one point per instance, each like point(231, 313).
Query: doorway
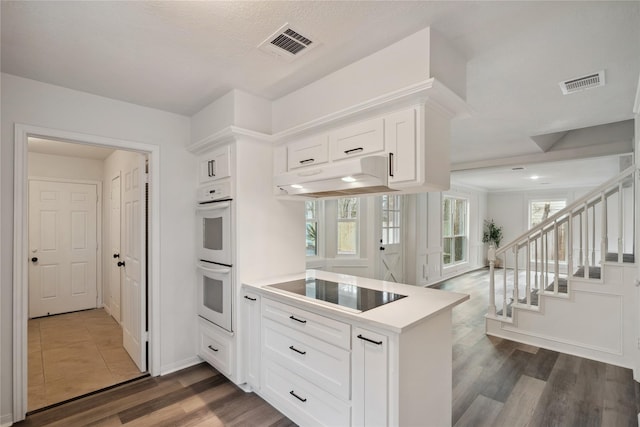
point(390, 259)
point(139, 326)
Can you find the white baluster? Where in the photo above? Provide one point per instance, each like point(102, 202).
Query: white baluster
point(491, 255)
point(556, 266)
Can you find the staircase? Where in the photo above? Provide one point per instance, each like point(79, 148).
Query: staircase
point(568, 283)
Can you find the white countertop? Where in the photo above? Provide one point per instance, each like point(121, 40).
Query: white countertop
point(419, 305)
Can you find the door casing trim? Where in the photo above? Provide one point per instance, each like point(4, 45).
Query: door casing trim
point(20, 248)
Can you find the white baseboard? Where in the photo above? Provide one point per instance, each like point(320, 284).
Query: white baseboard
point(177, 366)
point(6, 420)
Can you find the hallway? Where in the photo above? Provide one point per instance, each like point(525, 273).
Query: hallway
point(74, 354)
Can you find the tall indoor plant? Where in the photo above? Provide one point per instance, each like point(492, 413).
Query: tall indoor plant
point(492, 234)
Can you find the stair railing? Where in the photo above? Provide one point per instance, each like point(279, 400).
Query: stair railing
point(531, 263)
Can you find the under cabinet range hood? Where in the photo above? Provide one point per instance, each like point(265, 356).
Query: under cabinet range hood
point(364, 175)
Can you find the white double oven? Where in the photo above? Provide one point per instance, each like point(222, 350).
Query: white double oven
point(215, 262)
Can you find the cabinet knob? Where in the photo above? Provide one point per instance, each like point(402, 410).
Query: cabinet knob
point(120, 263)
point(34, 259)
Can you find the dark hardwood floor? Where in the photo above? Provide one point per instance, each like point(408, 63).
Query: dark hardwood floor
point(495, 383)
point(498, 382)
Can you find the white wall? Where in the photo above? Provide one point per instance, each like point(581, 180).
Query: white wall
point(33, 103)
point(399, 65)
point(236, 108)
point(64, 167)
point(510, 209)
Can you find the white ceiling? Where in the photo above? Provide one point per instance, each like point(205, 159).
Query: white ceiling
point(179, 56)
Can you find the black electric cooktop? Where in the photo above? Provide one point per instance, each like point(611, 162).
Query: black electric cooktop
point(342, 294)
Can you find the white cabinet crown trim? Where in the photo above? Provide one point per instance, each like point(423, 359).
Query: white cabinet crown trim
point(224, 136)
point(421, 92)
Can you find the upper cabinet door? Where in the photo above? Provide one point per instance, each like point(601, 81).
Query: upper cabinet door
point(400, 139)
point(308, 152)
point(358, 139)
point(215, 165)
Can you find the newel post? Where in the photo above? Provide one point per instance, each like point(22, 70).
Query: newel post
point(491, 256)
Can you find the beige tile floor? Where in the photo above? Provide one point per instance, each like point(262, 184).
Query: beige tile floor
point(73, 354)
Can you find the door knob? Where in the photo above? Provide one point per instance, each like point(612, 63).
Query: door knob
point(116, 255)
point(34, 259)
point(120, 263)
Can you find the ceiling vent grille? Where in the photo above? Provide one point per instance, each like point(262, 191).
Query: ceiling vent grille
point(582, 83)
point(287, 43)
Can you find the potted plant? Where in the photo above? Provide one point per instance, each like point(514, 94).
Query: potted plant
point(492, 234)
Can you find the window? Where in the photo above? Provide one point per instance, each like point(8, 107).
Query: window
point(539, 211)
point(454, 230)
point(348, 226)
point(311, 217)
point(390, 219)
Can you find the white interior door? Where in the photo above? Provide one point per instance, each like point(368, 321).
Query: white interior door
point(115, 278)
point(132, 259)
point(390, 264)
point(63, 247)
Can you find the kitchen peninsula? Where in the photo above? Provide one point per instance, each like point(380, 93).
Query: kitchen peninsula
point(334, 349)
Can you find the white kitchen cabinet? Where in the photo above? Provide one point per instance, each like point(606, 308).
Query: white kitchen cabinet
point(252, 338)
point(306, 364)
point(308, 152)
point(301, 400)
point(215, 165)
point(401, 146)
point(358, 139)
point(215, 347)
point(370, 375)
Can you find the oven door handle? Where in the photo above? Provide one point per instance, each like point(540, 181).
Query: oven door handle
point(213, 207)
point(215, 270)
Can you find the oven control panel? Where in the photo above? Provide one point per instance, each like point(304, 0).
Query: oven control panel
point(217, 191)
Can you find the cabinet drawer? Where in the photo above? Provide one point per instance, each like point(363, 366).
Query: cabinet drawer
point(319, 362)
point(215, 347)
point(358, 139)
point(302, 401)
point(311, 151)
point(215, 165)
point(329, 330)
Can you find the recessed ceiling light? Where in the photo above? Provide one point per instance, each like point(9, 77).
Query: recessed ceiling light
point(297, 186)
point(534, 177)
point(349, 179)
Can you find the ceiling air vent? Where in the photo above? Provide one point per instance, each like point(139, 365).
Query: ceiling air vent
point(582, 83)
point(287, 43)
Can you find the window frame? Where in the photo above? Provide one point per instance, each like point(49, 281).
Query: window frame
point(453, 236)
point(355, 221)
point(318, 220)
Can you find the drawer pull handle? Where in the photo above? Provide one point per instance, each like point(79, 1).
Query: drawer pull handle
point(354, 150)
point(305, 161)
point(292, 393)
point(250, 299)
point(212, 192)
point(296, 350)
point(391, 165)
point(296, 319)
point(211, 348)
point(370, 340)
